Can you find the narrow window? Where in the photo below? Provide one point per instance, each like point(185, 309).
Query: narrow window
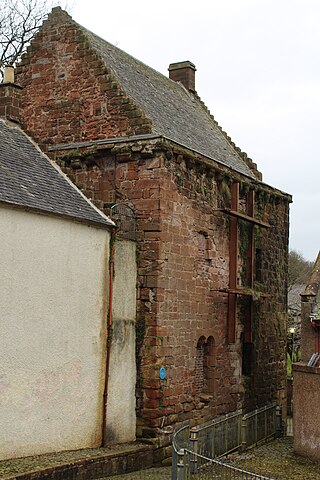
point(247, 358)
point(199, 371)
point(205, 366)
point(211, 364)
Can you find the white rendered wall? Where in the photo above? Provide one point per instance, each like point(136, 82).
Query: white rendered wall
point(121, 402)
point(53, 308)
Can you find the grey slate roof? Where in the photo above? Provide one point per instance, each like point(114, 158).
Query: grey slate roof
point(176, 113)
point(313, 287)
point(29, 179)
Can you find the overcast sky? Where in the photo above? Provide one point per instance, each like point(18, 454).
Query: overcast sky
point(258, 71)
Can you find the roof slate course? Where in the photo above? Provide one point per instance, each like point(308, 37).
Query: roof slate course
point(175, 112)
point(29, 179)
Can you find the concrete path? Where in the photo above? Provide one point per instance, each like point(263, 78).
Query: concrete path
point(276, 457)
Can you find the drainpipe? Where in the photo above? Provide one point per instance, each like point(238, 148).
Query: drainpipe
point(109, 341)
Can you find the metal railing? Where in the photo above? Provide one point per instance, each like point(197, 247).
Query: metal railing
point(205, 444)
point(218, 437)
point(181, 443)
point(258, 425)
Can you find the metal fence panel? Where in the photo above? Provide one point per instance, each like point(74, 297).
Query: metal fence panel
point(181, 441)
point(258, 425)
point(218, 437)
point(197, 451)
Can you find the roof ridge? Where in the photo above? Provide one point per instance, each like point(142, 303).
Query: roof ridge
point(243, 155)
point(154, 102)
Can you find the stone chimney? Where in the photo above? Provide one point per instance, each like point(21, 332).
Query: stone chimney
point(183, 72)
point(10, 97)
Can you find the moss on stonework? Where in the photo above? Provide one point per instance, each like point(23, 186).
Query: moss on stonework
point(224, 193)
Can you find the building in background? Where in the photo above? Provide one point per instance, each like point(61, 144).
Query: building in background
point(306, 375)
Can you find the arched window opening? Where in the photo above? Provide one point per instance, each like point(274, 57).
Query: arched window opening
point(211, 364)
point(199, 370)
point(205, 366)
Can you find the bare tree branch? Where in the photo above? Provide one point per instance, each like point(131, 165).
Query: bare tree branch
point(19, 21)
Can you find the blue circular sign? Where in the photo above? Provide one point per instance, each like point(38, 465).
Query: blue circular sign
point(163, 373)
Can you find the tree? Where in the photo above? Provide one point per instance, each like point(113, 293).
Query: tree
point(299, 270)
point(19, 21)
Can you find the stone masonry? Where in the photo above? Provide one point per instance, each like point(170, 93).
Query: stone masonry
point(75, 106)
point(183, 260)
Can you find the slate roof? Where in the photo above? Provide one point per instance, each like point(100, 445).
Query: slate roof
point(313, 287)
point(175, 113)
point(294, 299)
point(29, 179)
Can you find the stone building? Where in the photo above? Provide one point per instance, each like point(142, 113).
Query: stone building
point(306, 374)
point(212, 238)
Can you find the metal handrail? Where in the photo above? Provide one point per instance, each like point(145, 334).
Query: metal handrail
point(221, 436)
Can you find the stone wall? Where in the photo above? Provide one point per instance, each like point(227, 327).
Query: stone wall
point(64, 101)
point(268, 381)
point(183, 262)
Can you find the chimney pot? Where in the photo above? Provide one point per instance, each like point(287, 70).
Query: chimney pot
point(183, 72)
point(8, 76)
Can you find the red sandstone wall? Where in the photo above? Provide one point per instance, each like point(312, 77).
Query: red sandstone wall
point(183, 259)
point(66, 102)
point(181, 293)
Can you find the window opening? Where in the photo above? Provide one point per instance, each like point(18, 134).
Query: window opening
point(205, 366)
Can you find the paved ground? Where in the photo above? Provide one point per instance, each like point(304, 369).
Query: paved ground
point(276, 457)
